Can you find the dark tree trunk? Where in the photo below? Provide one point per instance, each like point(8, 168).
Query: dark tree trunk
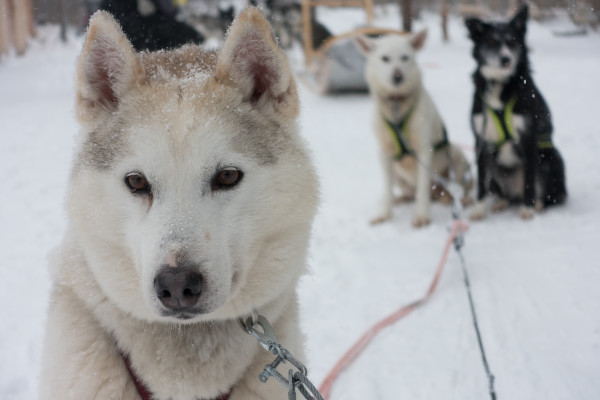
point(406, 10)
point(444, 14)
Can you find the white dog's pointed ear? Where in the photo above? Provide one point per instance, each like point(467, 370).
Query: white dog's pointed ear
point(417, 41)
point(251, 61)
point(107, 68)
point(364, 44)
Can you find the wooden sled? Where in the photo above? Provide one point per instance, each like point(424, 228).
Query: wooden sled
point(337, 66)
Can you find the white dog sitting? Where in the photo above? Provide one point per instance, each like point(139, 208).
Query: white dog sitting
point(412, 137)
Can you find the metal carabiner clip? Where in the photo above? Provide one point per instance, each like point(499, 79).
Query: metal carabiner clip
point(266, 338)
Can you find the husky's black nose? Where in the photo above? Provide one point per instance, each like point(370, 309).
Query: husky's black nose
point(178, 288)
point(397, 78)
point(505, 61)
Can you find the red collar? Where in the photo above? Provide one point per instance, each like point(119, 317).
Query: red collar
point(143, 390)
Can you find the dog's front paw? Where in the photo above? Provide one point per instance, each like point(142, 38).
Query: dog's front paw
point(478, 212)
point(526, 212)
point(539, 206)
point(500, 205)
point(445, 198)
point(466, 201)
point(421, 220)
point(384, 217)
point(404, 198)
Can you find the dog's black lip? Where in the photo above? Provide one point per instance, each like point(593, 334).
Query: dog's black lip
point(184, 314)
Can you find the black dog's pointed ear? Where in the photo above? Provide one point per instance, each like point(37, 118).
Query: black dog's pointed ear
point(519, 22)
point(476, 27)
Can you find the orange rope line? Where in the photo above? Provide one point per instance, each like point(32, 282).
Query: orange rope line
point(358, 347)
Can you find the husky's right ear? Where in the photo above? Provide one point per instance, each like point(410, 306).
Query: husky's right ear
point(252, 62)
point(364, 44)
point(107, 68)
point(476, 27)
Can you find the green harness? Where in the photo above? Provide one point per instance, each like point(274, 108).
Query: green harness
point(399, 134)
point(502, 120)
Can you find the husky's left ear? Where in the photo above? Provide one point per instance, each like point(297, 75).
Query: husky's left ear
point(418, 41)
point(252, 61)
point(108, 68)
point(519, 22)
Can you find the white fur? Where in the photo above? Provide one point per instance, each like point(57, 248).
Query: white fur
point(249, 243)
point(507, 157)
point(389, 57)
point(493, 69)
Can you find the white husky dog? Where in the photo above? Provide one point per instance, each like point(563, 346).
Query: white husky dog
point(412, 137)
point(190, 205)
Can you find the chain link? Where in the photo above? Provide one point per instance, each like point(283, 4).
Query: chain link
point(296, 380)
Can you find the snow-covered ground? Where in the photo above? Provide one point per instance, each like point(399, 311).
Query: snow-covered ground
point(535, 284)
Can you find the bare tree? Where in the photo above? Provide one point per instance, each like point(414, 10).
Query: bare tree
point(406, 11)
point(444, 14)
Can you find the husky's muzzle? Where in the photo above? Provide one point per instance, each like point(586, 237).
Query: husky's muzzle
point(397, 77)
point(505, 61)
point(179, 290)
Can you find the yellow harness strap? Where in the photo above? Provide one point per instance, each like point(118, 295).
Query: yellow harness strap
point(504, 126)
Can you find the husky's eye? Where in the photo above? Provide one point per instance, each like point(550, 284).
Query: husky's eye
point(492, 42)
point(512, 41)
point(404, 58)
point(137, 183)
point(226, 178)
point(385, 59)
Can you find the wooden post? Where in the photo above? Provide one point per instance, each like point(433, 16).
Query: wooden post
point(16, 25)
point(369, 10)
point(307, 32)
point(30, 19)
point(20, 25)
point(444, 12)
point(4, 27)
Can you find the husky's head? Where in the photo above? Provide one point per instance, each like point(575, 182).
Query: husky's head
point(192, 194)
point(391, 68)
point(499, 47)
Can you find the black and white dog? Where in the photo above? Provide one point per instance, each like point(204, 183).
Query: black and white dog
point(516, 159)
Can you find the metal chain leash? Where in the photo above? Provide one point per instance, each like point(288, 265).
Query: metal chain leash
point(458, 243)
point(296, 380)
point(459, 240)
